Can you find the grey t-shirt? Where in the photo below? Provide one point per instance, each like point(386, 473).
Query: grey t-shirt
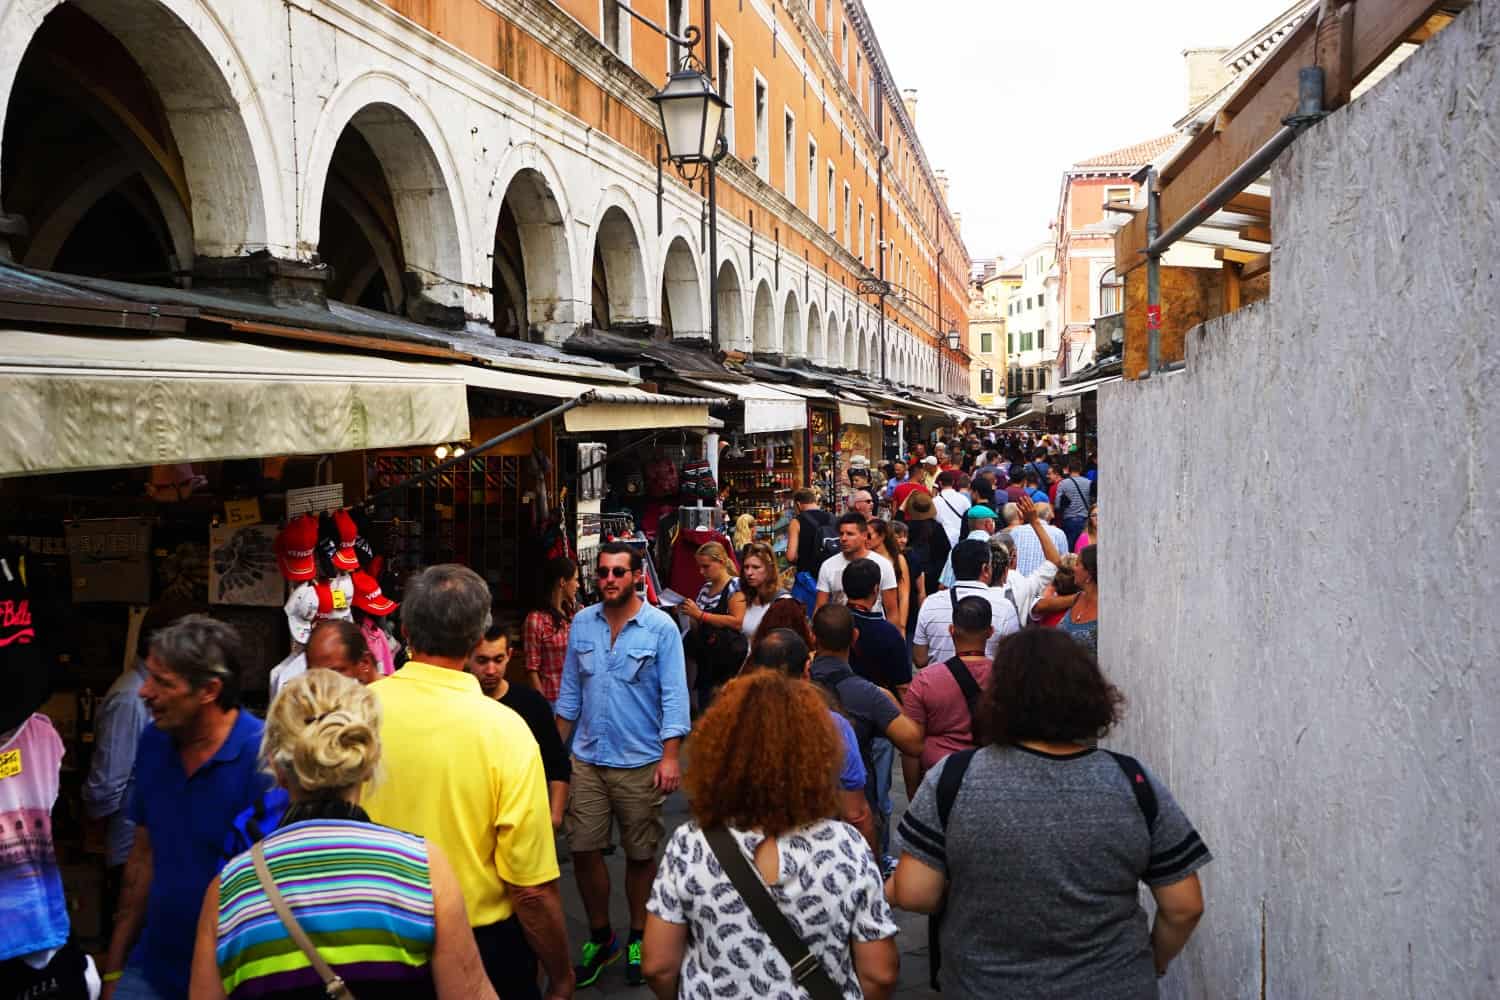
point(1044, 856)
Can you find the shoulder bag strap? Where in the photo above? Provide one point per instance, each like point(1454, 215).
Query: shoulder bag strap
point(956, 765)
point(966, 683)
point(332, 983)
point(807, 969)
point(1145, 795)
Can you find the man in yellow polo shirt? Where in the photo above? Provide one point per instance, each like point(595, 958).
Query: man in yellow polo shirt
point(464, 771)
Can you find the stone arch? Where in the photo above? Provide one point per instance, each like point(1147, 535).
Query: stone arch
point(620, 296)
point(763, 319)
point(210, 166)
point(682, 292)
point(732, 331)
point(793, 335)
point(817, 345)
point(532, 289)
point(851, 345)
point(417, 166)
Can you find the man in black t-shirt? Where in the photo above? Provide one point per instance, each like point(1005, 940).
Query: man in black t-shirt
point(806, 534)
point(487, 663)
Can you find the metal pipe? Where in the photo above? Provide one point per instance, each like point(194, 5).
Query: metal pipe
point(713, 255)
point(1247, 173)
point(498, 439)
point(1153, 274)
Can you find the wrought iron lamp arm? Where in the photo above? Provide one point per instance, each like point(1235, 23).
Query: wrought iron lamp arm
point(690, 37)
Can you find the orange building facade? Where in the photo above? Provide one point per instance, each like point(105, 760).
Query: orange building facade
point(492, 165)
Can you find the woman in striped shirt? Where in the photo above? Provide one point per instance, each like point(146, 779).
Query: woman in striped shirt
point(383, 908)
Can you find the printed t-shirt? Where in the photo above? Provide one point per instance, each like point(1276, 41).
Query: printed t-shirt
point(187, 818)
point(463, 771)
point(33, 909)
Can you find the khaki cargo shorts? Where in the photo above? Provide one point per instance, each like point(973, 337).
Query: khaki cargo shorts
point(599, 794)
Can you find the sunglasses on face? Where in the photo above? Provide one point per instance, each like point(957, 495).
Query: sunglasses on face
point(604, 572)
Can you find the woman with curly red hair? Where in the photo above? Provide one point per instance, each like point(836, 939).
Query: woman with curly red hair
point(763, 765)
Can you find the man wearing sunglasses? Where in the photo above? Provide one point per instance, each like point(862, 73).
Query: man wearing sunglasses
point(624, 699)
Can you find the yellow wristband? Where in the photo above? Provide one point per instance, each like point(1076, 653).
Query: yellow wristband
point(112, 977)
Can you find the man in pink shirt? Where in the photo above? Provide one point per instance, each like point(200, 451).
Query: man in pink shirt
point(942, 697)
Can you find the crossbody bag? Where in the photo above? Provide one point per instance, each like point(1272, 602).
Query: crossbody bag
point(333, 984)
point(807, 969)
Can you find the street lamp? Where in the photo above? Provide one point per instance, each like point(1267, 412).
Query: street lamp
point(692, 116)
point(691, 111)
point(954, 340)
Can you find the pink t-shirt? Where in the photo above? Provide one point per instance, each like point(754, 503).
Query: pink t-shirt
point(33, 909)
point(1083, 542)
point(936, 702)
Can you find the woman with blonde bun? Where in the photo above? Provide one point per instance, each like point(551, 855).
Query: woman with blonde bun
point(382, 908)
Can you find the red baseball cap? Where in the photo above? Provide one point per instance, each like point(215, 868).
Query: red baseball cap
point(345, 558)
point(368, 598)
point(295, 546)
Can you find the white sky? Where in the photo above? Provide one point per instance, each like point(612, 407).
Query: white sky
point(1011, 93)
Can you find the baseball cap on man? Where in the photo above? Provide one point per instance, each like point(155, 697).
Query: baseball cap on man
point(930, 460)
point(368, 598)
point(980, 512)
point(295, 547)
point(345, 559)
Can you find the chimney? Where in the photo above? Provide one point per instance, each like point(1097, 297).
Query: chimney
point(909, 98)
point(942, 185)
point(1206, 73)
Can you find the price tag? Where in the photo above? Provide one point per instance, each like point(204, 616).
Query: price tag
point(239, 513)
point(10, 763)
point(340, 599)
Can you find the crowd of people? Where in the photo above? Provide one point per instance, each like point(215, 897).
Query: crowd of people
point(399, 835)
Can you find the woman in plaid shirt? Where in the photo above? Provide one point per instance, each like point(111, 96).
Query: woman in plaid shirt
point(546, 630)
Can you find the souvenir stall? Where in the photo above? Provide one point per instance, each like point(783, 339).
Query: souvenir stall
point(761, 462)
point(117, 516)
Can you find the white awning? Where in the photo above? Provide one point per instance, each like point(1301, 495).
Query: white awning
point(854, 413)
point(74, 402)
point(768, 410)
point(614, 407)
point(807, 391)
point(1083, 387)
point(1030, 416)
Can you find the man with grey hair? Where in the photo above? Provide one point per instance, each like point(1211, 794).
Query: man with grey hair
point(465, 772)
point(196, 769)
point(1059, 537)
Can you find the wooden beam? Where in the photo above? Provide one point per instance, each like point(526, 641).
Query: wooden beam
point(1256, 234)
point(1430, 27)
point(1257, 108)
point(1231, 256)
point(1256, 267)
point(1231, 287)
point(1251, 204)
point(1335, 54)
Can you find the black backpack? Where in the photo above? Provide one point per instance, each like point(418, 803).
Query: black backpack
point(819, 539)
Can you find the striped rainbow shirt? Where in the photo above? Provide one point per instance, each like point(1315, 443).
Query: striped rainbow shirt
point(363, 894)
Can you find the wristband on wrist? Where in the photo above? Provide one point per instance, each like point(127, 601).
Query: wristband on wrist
point(112, 977)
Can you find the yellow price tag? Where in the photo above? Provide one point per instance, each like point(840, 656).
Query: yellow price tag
point(340, 599)
point(10, 763)
point(239, 513)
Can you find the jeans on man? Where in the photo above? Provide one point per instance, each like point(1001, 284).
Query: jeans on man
point(878, 788)
point(1073, 529)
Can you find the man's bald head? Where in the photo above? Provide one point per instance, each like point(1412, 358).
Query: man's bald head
point(340, 646)
point(781, 649)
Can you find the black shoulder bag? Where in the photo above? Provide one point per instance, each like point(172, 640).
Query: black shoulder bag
point(967, 684)
point(807, 969)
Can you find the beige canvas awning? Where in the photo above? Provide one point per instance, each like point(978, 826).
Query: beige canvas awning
point(612, 407)
point(74, 402)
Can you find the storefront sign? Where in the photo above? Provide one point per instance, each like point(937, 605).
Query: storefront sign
point(109, 560)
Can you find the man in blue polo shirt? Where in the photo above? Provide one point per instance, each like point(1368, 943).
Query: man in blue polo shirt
point(195, 771)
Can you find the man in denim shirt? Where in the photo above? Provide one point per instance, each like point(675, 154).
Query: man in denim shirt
point(624, 700)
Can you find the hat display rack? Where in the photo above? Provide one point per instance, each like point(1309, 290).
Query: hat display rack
point(322, 551)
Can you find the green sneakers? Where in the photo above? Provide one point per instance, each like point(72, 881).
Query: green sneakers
point(633, 975)
point(596, 956)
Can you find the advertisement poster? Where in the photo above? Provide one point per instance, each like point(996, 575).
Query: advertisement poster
point(242, 566)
